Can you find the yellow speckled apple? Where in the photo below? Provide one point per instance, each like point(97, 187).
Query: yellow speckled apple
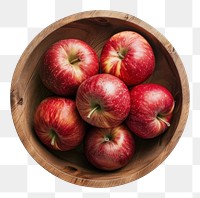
point(128, 56)
point(103, 101)
point(109, 149)
point(152, 108)
point(67, 63)
point(58, 124)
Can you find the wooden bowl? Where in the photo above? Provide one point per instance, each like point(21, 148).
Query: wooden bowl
point(95, 27)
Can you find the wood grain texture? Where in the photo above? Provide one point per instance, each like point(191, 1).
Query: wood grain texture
point(95, 27)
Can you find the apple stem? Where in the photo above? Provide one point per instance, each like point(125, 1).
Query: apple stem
point(74, 61)
point(121, 56)
point(92, 111)
point(53, 140)
point(167, 123)
point(106, 139)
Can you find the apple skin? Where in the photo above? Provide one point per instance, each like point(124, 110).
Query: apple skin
point(58, 124)
point(67, 63)
point(128, 56)
point(109, 149)
point(152, 107)
point(103, 101)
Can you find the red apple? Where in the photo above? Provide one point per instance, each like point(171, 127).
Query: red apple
point(128, 56)
point(67, 63)
point(151, 110)
point(103, 100)
point(58, 124)
point(109, 149)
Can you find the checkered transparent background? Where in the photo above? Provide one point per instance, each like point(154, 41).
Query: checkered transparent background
point(22, 177)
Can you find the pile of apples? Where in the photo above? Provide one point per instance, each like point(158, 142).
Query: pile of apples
point(112, 101)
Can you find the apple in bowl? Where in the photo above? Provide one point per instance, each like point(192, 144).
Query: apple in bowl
point(67, 63)
point(151, 110)
point(103, 101)
point(58, 124)
point(128, 56)
point(109, 149)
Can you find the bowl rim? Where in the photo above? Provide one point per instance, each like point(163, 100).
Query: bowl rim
point(183, 115)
